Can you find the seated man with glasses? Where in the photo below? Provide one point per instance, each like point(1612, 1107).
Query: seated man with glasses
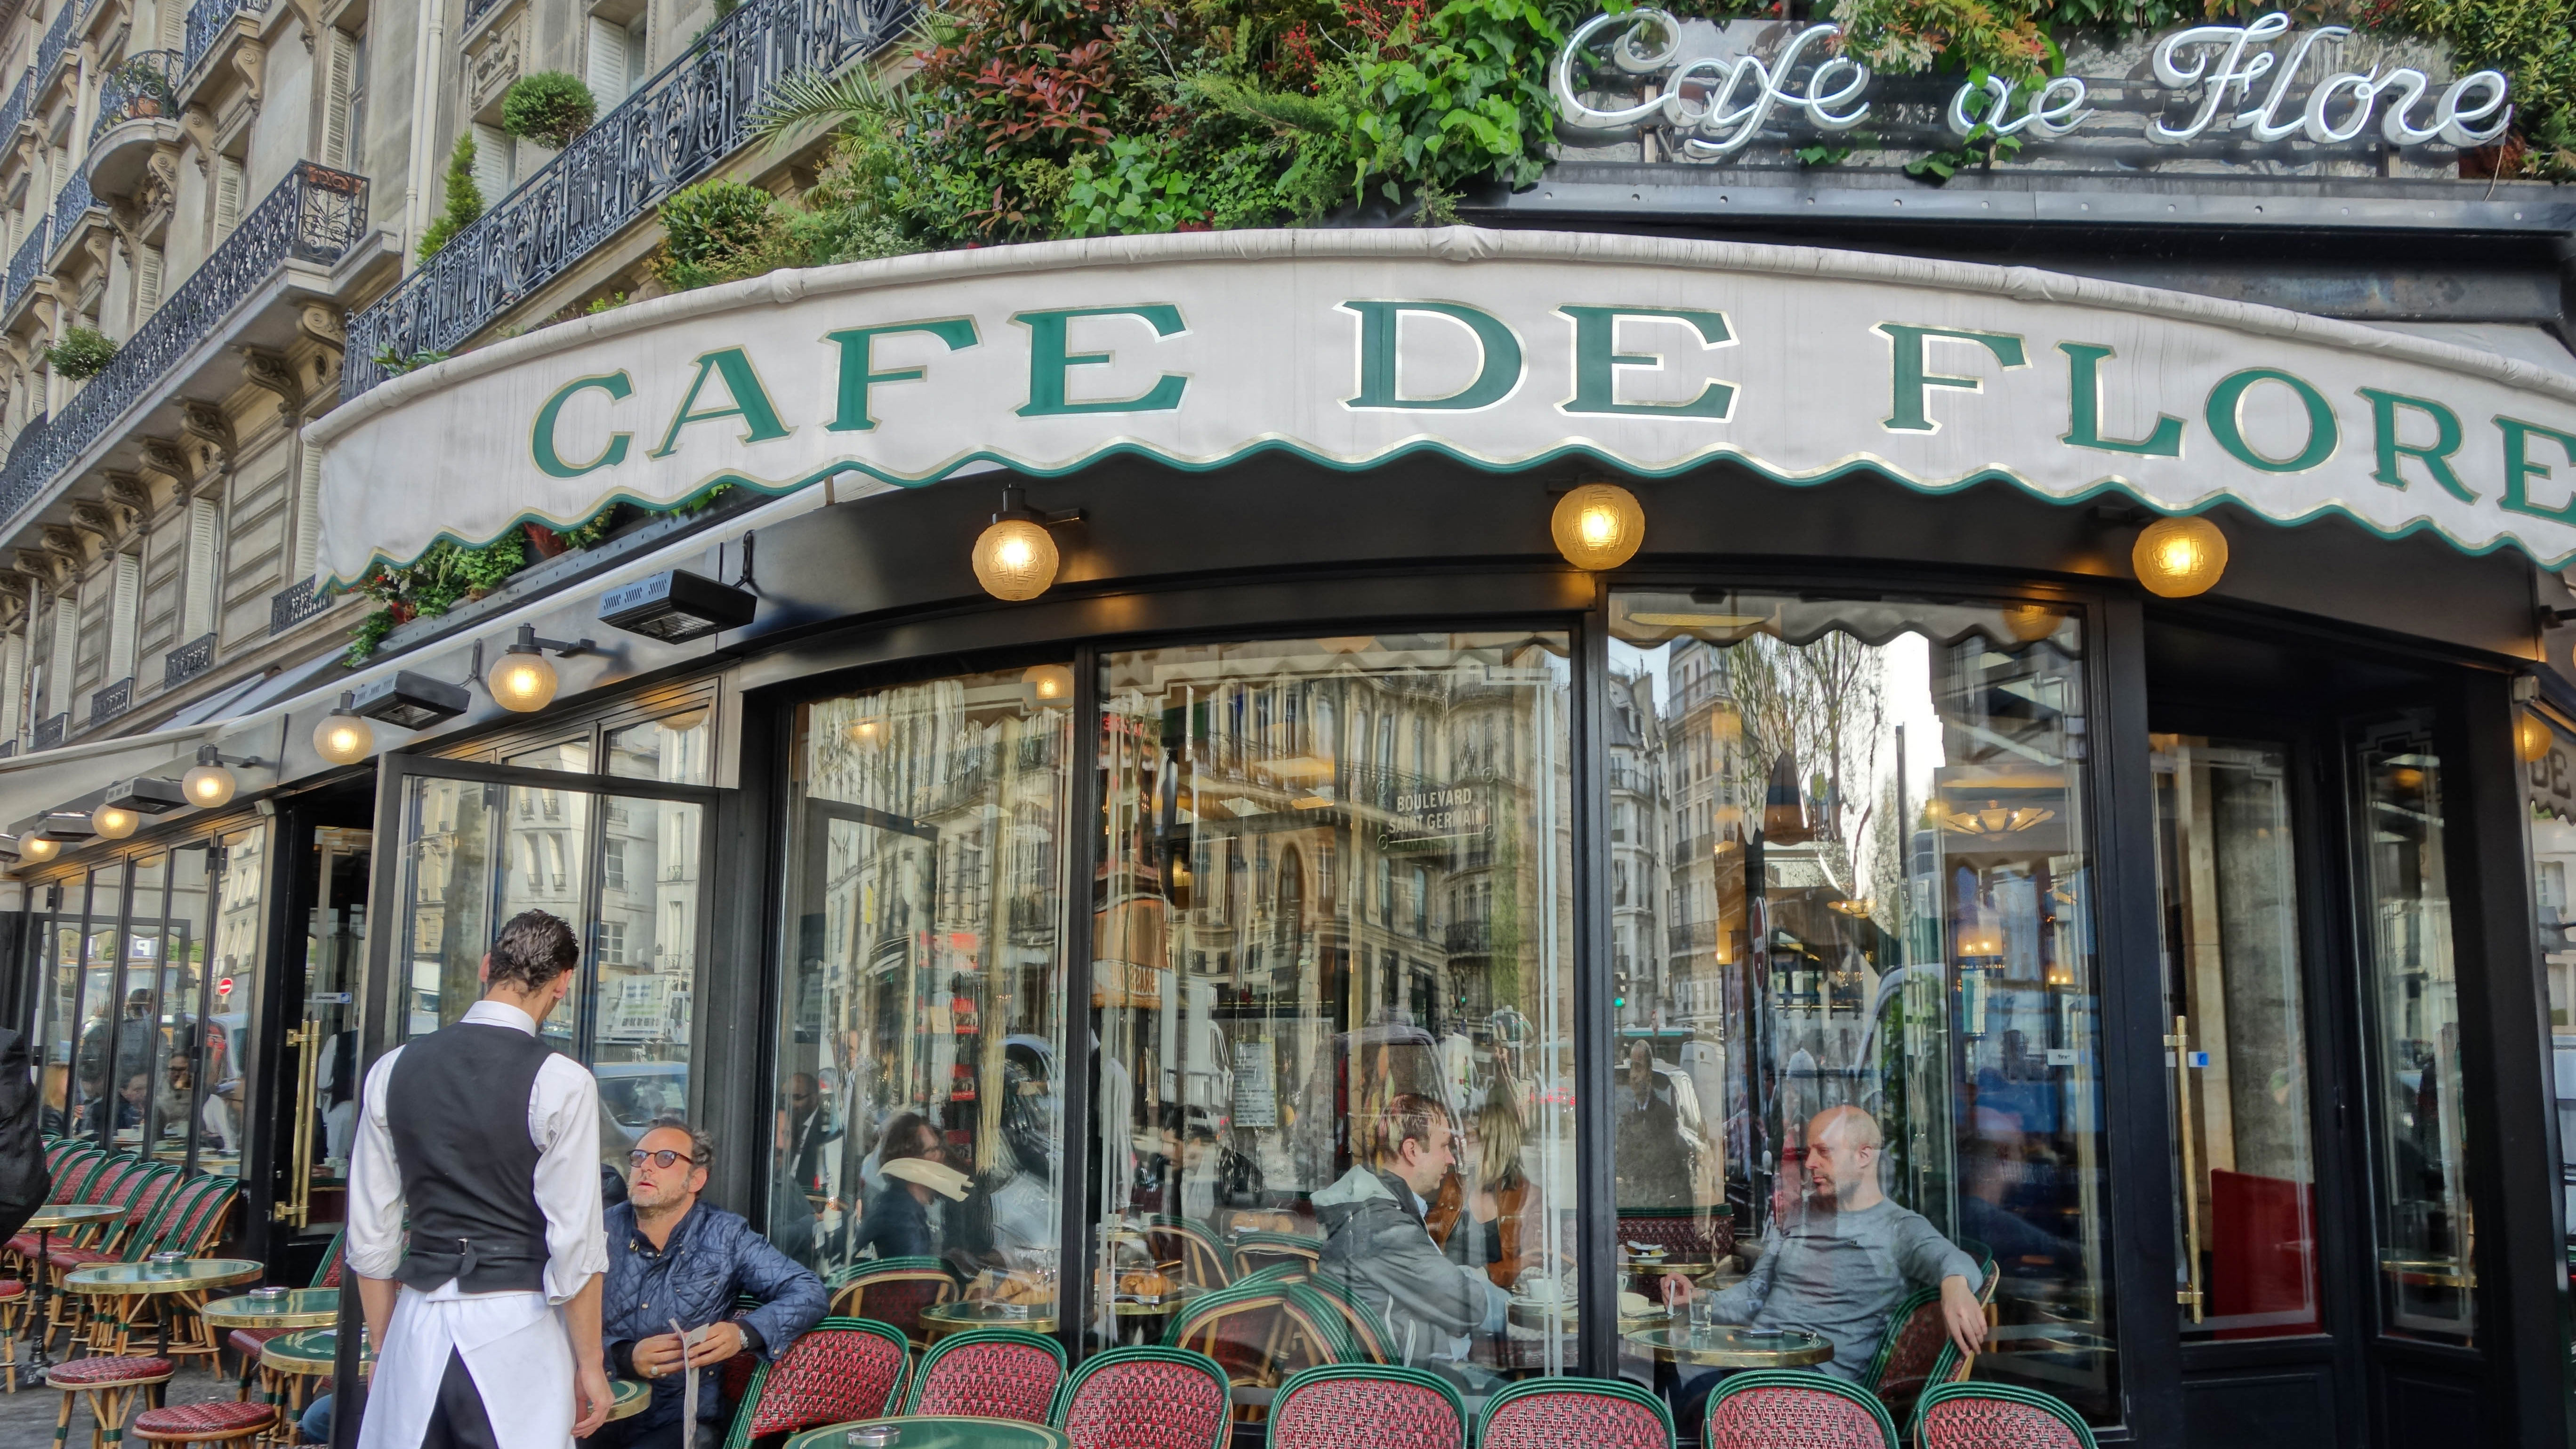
point(672, 1257)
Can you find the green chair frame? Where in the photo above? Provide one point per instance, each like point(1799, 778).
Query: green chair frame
point(1751, 1379)
point(1205, 1253)
point(1368, 1332)
point(1377, 1373)
point(1607, 1388)
point(739, 1436)
point(921, 1371)
point(2007, 1393)
point(859, 1276)
point(1071, 1388)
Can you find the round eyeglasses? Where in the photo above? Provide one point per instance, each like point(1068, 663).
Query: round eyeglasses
point(663, 1158)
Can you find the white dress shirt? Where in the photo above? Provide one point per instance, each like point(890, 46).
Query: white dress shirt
point(514, 1343)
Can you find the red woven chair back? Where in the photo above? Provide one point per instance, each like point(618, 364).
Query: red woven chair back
point(1910, 1354)
point(894, 1291)
point(841, 1369)
point(1783, 1416)
point(1381, 1410)
point(1145, 1398)
point(197, 1218)
point(997, 1377)
point(1547, 1416)
point(1998, 1416)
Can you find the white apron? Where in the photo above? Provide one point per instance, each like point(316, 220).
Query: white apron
point(514, 1344)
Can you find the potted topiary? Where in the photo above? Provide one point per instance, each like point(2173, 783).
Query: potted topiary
point(82, 353)
point(549, 107)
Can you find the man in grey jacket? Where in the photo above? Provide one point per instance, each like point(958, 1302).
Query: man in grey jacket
point(1377, 1245)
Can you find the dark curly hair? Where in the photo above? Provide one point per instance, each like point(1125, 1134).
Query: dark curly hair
point(532, 950)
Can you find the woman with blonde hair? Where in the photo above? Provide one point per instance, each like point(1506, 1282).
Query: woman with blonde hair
point(1479, 1217)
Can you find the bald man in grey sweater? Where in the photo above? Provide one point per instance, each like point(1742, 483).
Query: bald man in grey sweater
point(1839, 1263)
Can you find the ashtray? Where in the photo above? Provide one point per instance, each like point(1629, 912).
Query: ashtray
point(874, 1436)
point(268, 1295)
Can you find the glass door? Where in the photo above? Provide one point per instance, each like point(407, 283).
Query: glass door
point(2236, 1052)
point(621, 856)
point(318, 1112)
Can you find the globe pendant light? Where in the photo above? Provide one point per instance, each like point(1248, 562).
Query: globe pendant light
point(37, 849)
point(1598, 526)
point(342, 737)
point(114, 822)
point(523, 680)
point(1015, 557)
point(2176, 558)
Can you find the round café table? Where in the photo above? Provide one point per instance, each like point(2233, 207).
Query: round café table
point(127, 1287)
point(295, 1308)
point(1729, 1347)
point(40, 1329)
point(942, 1319)
point(292, 1364)
point(940, 1431)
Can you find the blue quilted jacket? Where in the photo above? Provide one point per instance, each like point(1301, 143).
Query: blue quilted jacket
point(712, 1258)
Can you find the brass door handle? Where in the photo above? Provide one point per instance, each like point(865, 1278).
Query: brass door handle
point(2189, 1295)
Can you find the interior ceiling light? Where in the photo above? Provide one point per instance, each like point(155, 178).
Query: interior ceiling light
point(409, 701)
point(343, 737)
point(524, 680)
point(1052, 684)
point(1598, 526)
point(2176, 558)
point(1015, 557)
point(676, 606)
point(1997, 819)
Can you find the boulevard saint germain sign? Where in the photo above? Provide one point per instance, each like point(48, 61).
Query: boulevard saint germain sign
point(1505, 349)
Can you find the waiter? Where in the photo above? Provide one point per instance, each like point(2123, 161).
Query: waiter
point(490, 1141)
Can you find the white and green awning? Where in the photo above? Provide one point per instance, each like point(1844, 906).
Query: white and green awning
point(1501, 348)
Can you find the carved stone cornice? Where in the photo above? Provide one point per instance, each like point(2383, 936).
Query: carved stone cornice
point(132, 490)
point(65, 544)
point(166, 457)
point(109, 522)
point(199, 124)
point(250, 59)
point(206, 422)
point(324, 324)
point(47, 565)
point(265, 369)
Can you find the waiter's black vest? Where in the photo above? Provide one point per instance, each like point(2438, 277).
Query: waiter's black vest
point(457, 1106)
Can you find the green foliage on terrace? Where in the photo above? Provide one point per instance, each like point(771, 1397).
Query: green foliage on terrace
point(464, 200)
point(83, 352)
point(549, 107)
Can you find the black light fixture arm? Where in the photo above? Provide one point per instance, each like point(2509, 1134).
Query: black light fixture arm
point(1015, 504)
point(209, 755)
point(529, 643)
point(2551, 618)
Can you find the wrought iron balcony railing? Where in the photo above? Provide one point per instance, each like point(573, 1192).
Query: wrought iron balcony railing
point(69, 203)
point(29, 263)
point(475, 10)
point(293, 605)
point(50, 732)
point(692, 114)
point(315, 215)
point(188, 661)
point(58, 38)
point(15, 110)
point(206, 21)
point(108, 703)
point(146, 84)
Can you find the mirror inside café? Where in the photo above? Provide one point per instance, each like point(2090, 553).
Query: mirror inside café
point(1331, 986)
point(1856, 1010)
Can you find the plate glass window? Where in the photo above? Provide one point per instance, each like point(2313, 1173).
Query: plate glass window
point(920, 1031)
point(1855, 983)
point(1332, 985)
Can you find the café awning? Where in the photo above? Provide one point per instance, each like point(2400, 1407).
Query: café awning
point(1501, 348)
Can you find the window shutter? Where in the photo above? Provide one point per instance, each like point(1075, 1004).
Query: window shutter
point(606, 70)
point(174, 25)
point(308, 513)
point(63, 656)
point(147, 282)
point(124, 615)
point(335, 102)
point(13, 684)
point(639, 54)
point(492, 147)
point(197, 617)
point(228, 196)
